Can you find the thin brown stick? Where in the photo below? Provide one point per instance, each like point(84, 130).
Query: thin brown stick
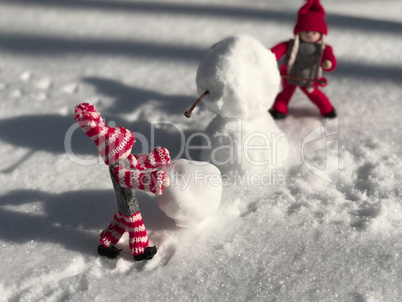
point(188, 113)
point(303, 79)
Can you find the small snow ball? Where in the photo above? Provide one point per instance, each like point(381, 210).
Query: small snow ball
point(194, 193)
point(241, 76)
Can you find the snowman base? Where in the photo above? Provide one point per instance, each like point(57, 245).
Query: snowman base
point(238, 146)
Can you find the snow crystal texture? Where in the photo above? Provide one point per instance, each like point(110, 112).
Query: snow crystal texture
point(304, 239)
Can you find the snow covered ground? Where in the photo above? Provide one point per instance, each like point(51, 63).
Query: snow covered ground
point(301, 239)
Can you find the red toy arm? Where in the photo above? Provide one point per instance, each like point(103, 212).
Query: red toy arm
point(148, 180)
point(329, 55)
point(158, 157)
point(280, 49)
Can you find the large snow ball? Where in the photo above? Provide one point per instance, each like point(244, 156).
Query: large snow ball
point(241, 76)
point(194, 193)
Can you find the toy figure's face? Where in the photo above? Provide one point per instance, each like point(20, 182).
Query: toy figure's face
point(310, 36)
point(125, 155)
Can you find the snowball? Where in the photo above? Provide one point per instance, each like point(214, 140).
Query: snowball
point(194, 193)
point(241, 76)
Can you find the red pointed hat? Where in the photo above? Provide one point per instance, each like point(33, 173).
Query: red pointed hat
point(112, 143)
point(311, 18)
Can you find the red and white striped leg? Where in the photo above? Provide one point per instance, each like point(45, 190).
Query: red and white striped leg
point(138, 238)
point(113, 233)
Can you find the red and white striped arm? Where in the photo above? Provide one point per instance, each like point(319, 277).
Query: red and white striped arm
point(145, 180)
point(157, 158)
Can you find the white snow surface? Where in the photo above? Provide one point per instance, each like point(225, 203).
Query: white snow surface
point(297, 237)
point(194, 193)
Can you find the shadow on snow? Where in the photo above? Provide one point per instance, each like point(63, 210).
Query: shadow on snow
point(72, 219)
point(35, 45)
point(218, 11)
point(128, 98)
point(49, 132)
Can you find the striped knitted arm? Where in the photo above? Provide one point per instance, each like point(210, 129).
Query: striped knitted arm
point(147, 180)
point(158, 157)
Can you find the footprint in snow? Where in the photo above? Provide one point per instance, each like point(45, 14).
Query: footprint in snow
point(43, 84)
point(70, 88)
point(161, 259)
point(42, 96)
point(16, 94)
point(25, 76)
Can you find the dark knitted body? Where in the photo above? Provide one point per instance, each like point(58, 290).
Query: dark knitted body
point(127, 202)
point(306, 64)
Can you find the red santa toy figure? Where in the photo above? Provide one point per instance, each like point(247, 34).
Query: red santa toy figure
point(305, 57)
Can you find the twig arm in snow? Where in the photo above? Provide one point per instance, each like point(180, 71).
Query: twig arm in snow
point(188, 113)
point(321, 81)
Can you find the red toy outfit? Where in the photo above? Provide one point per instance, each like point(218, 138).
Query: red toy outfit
point(304, 60)
point(316, 96)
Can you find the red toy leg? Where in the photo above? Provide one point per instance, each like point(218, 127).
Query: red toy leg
point(319, 99)
point(137, 234)
point(113, 233)
point(283, 98)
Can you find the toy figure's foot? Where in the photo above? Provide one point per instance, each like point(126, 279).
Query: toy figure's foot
point(110, 252)
point(147, 254)
point(277, 115)
point(332, 114)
